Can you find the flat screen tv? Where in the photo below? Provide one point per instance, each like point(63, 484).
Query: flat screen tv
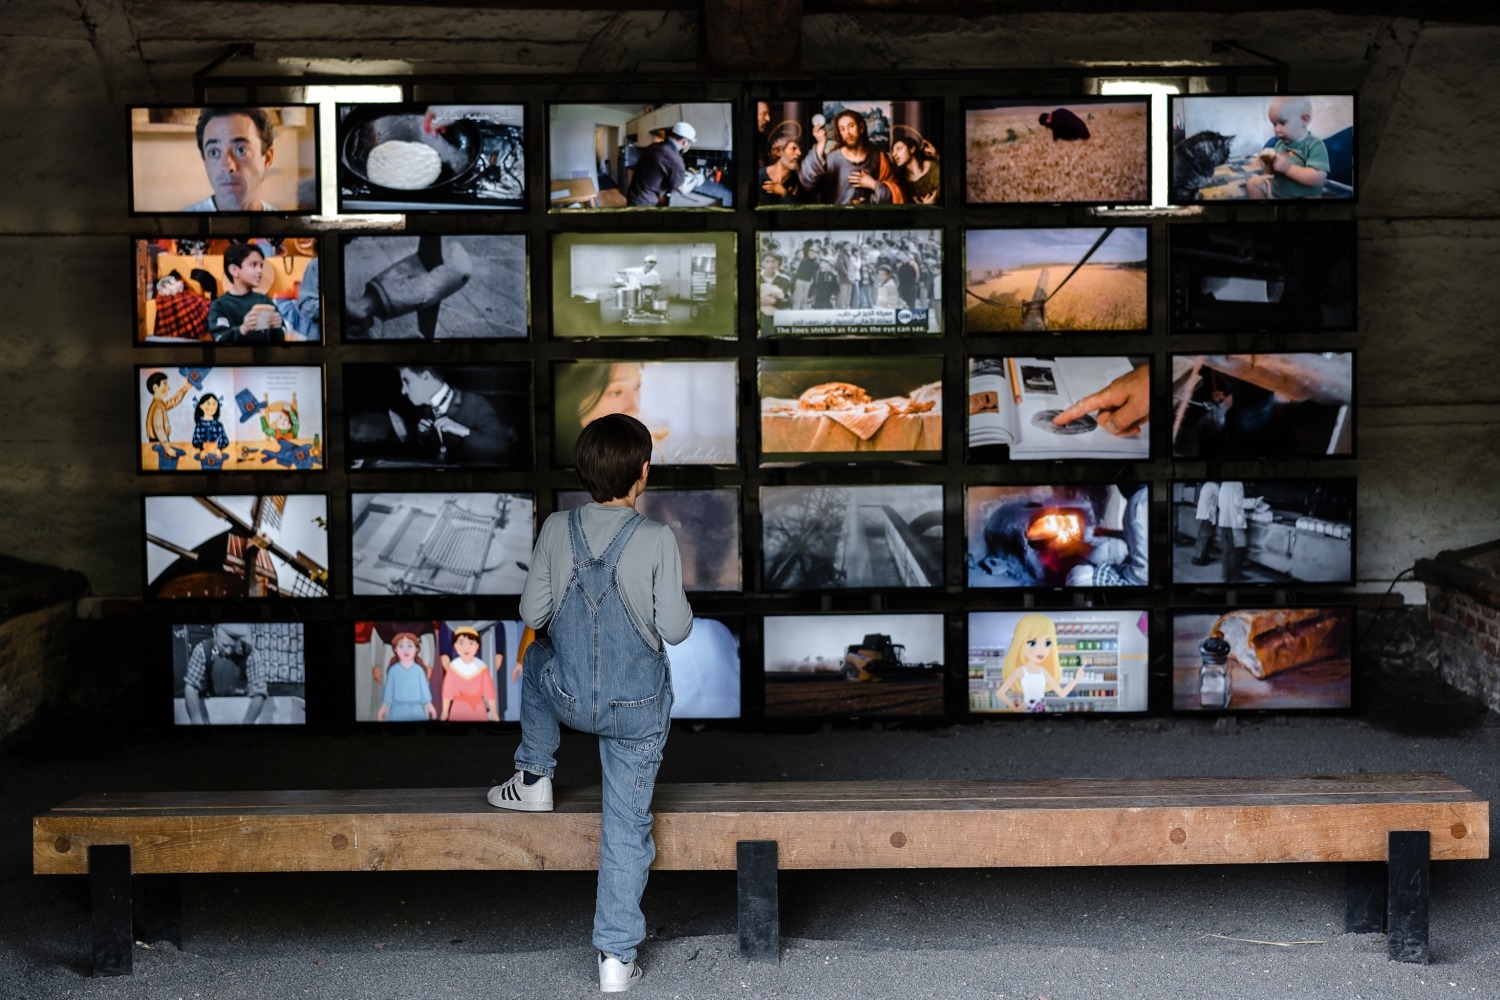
point(1073, 280)
point(1266, 147)
point(241, 418)
point(241, 546)
point(845, 666)
point(836, 537)
point(706, 670)
point(818, 153)
point(1075, 150)
point(690, 407)
point(192, 291)
point(224, 159)
point(413, 544)
point(1296, 277)
point(1074, 535)
point(438, 671)
point(1267, 532)
point(1063, 660)
point(239, 673)
point(1052, 407)
point(850, 282)
point(643, 285)
point(851, 409)
point(431, 157)
point(706, 523)
point(1270, 406)
point(420, 416)
point(1247, 659)
point(642, 155)
point(434, 287)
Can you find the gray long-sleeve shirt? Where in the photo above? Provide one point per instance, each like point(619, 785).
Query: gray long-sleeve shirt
point(649, 572)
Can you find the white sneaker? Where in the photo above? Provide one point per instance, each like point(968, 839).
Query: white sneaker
point(616, 976)
point(516, 794)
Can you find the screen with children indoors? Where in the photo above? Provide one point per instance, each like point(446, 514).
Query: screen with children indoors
point(1075, 535)
point(706, 524)
point(240, 673)
point(192, 291)
point(835, 151)
point(1068, 660)
point(1265, 532)
point(1250, 659)
point(438, 671)
point(246, 418)
point(244, 546)
point(1079, 150)
point(662, 155)
point(224, 160)
point(1271, 147)
point(690, 407)
point(850, 282)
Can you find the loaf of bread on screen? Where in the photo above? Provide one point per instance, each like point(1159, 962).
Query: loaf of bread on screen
point(833, 396)
point(1266, 642)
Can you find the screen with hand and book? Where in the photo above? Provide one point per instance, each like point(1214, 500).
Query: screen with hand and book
point(1060, 407)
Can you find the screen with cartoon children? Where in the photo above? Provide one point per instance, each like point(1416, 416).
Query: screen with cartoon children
point(1068, 660)
point(243, 418)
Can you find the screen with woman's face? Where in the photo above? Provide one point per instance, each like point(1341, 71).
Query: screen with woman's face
point(689, 406)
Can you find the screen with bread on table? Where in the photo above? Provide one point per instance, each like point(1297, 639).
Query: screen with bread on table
point(851, 409)
point(1246, 659)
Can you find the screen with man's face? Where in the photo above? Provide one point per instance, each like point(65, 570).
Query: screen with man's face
point(224, 160)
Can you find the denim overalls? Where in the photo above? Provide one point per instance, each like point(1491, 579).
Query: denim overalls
point(599, 674)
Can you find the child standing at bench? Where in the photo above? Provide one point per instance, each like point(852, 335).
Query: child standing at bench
point(602, 668)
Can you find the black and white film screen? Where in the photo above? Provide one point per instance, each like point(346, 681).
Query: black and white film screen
point(837, 537)
point(429, 544)
point(420, 416)
point(435, 287)
point(239, 673)
point(1268, 532)
point(1294, 277)
point(643, 285)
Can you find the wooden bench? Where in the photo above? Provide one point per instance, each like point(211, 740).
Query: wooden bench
point(1385, 827)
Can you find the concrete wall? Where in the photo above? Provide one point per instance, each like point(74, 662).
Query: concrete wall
point(1430, 236)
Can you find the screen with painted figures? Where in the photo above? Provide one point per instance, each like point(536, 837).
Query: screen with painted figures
point(246, 418)
point(1268, 147)
point(193, 291)
point(438, 671)
point(420, 416)
point(845, 666)
point(817, 538)
point(850, 282)
point(224, 159)
point(414, 544)
point(1271, 406)
point(1267, 532)
point(1080, 150)
point(1074, 280)
point(431, 157)
point(243, 546)
point(706, 524)
point(1251, 659)
point(434, 287)
point(239, 673)
point(1092, 535)
point(675, 155)
point(836, 152)
point(1067, 660)
point(690, 407)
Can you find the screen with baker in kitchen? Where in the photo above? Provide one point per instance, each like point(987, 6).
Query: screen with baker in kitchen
point(1266, 532)
point(1248, 659)
point(242, 290)
point(454, 157)
point(1086, 535)
point(673, 155)
point(643, 285)
point(224, 160)
point(816, 153)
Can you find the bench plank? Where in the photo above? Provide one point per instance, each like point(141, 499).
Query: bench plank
point(817, 825)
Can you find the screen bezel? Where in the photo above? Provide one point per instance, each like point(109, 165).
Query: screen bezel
point(1173, 613)
point(316, 648)
point(887, 588)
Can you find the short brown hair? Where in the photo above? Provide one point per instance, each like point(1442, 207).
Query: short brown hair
point(609, 455)
point(257, 116)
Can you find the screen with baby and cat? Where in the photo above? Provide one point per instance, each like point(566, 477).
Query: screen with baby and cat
point(1267, 147)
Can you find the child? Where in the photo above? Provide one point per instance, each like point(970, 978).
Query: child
point(608, 582)
point(1031, 665)
point(1297, 165)
point(207, 428)
point(163, 400)
point(468, 687)
point(242, 315)
point(405, 695)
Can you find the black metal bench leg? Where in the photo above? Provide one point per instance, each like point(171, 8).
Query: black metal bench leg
point(1364, 897)
point(1408, 896)
point(109, 892)
point(158, 913)
point(760, 904)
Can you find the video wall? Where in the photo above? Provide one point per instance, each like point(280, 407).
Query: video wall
point(348, 441)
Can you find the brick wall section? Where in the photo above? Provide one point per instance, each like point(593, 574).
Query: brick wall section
point(33, 655)
point(1468, 632)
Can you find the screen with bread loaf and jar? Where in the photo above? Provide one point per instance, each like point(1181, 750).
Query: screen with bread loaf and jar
point(1245, 659)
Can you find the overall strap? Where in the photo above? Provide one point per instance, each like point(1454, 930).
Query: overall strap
point(581, 553)
point(611, 555)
